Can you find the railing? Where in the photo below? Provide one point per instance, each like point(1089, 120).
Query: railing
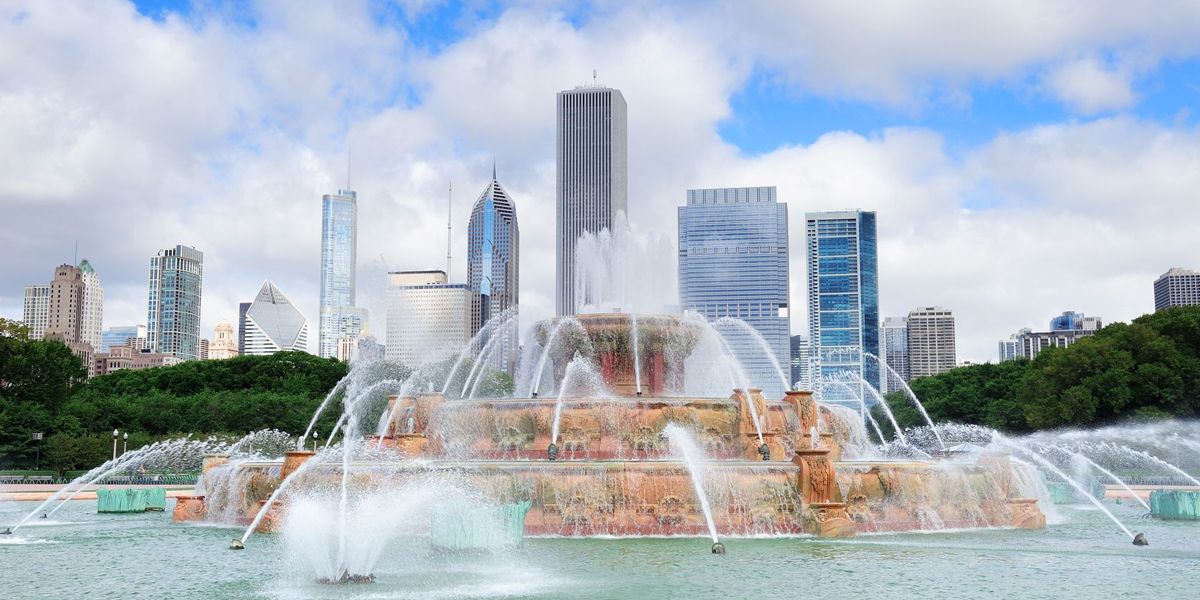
point(147, 479)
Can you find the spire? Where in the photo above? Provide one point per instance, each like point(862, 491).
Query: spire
point(493, 167)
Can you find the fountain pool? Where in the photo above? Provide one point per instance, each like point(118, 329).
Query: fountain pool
point(82, 553)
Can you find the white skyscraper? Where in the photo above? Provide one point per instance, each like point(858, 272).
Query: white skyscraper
point(273, 323)
point(428, 319)
point(931, 348)
point(591, 170)
point(36, 313)
point(91, 327)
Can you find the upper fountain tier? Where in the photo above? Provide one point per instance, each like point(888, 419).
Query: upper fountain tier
point(663, 344)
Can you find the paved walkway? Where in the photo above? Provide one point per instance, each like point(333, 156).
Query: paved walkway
point(1142, 491)
point(41, 491)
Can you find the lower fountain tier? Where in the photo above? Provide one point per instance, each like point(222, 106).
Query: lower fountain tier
point(626, 498)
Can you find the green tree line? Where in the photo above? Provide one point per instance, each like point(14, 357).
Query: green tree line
point(1147, 369)
point(44, 389)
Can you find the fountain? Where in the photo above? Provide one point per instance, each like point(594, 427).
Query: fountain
point(598, 459)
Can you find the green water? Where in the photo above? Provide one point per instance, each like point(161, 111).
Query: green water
point(87, 555)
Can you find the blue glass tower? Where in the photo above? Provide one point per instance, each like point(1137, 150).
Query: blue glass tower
point(843, 297)
point(493, 252)
point(339, 317)
point(733, 262)
point(173, 316)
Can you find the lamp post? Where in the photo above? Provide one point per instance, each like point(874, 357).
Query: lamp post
point(125, 443)
point(37, 461)
point(114, 444)
point(314, 440)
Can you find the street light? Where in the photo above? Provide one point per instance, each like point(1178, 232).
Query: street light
point(37, 464)
point(314, 440)
point(125, 444)
point(114, 444)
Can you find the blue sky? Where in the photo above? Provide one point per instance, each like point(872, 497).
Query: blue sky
point(992, 138)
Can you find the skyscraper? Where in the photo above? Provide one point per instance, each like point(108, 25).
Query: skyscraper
point(339, 260)
point(35, 312)
point(591, 172)
point(800, 363)
point(242, 308)
point(493, 255)
point(843, 296)
point(428, 319)
point(893, 338)
point(93, 305)
point(931, 348)
point(273, 324)
point(1177, 287)
point(733, 262)
point(173, 318)
point(65, 312)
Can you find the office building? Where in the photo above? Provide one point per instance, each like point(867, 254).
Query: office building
point(493, 255)
point(173, 317)
point(893, 351)
point(273, 324)
point(130, 355)
point(931, 348)
point(36, 310)
point(1177, 287)
point(224, 343)
point(733, 263)
point(362, 348)
point(339, 316)
point(1065, 330)
point(843, 299)
point(800, 364)
point(591, 175)
point(117, 336)
point(92, 322)
point(66, 311)
point(428, 319)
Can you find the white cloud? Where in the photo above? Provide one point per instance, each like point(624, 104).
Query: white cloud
point(1089, 87)
point(131, 135)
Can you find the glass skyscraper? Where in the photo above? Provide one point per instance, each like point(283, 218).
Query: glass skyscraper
point(173, 317)
point(493, 252)
point(339, 317)
point(843, 299)
point(733, 262)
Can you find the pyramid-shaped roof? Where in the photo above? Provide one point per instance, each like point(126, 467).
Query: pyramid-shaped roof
point(276, 316)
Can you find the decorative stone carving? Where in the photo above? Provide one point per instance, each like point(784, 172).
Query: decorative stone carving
point(188, 508)
point(1025, 513)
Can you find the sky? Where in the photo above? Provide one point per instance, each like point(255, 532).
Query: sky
point(1023, 158)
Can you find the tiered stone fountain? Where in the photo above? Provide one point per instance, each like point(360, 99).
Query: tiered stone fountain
point(613, 472)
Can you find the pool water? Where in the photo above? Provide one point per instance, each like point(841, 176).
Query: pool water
point(83, 554)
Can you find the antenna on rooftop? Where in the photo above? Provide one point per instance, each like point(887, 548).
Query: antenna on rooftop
point(449, 210)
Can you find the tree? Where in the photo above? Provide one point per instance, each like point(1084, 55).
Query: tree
point(13, 329)
point(36, 378)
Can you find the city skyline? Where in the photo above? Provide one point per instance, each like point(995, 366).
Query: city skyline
point(980, 167)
